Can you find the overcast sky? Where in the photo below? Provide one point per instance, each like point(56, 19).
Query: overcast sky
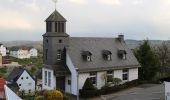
point(136, 19)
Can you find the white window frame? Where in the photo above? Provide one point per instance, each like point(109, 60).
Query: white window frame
point(49, 79)
point(45, 75)
point(109, 74)
point(59, 56)
point(109, 57)
point(94, 76)
point(88, 58)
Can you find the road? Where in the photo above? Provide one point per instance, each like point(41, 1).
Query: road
point(143, 92)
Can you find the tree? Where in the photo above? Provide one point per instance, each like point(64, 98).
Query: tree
point(163, 53)
point(148, 61)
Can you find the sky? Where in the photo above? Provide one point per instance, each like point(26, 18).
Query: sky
point(136, 19)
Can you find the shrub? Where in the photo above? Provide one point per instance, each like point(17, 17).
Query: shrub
point(39, 98)
point(116, 81)
point(53, 95)
point(89, 90)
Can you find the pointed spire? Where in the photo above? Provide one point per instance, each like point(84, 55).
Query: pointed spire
point(56, 16)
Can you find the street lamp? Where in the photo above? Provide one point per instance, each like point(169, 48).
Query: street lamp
point(77, 70)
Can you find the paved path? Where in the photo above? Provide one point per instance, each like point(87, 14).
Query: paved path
point(143, 92)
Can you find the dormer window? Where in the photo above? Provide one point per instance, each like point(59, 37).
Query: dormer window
point(86, 55)
point(122, 54)
point(107, 55)
point(59, 55)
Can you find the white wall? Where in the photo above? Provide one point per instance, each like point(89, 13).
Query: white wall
point(118, 74)
point(73, 75)
point(100, 80)
point(26, 84)
point(67, 86)
point(133, 74)
point(33, 52)
point(167, 90)
point(20, 54)
point(53, 79)
point(3, 50)
point(82, 79)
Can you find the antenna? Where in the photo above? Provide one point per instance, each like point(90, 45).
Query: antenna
point(55, 2)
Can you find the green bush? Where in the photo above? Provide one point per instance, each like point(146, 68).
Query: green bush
point(89, 90)
point(116, 81)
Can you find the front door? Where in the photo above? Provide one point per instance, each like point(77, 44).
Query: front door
point(60, 83)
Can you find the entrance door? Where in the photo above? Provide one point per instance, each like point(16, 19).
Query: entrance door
point(60, 83)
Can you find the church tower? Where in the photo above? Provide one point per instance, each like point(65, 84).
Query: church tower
point(55, 40)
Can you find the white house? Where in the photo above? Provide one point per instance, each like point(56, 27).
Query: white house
point(33, 52)
point(69, 61)
point(23, 52)
point(24, 80)
point(19, 52)
point(2, 50)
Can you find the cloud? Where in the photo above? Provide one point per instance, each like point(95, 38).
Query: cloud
point(79, 1)
point(14, 21)
point(137, 2)
point(110, 2)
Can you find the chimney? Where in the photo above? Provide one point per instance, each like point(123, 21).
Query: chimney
point(121, 38)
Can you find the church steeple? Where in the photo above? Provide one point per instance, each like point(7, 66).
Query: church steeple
point(55, 40)
point(56, 23)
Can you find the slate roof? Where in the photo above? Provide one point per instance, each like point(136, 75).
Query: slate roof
point(96, 46)
point(59, 70)
point(16, 48)
point(54, 34)
point(15, 74)
point(56, 16)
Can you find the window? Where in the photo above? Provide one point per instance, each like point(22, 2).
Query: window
point(59, 27)
point(62, 27)
point(56, 27)
point(45, 78)
point(29, 91)
point(88, 58)
point(60, 41)
point(109, 76)
point(19, 84)
point(47, 40)
point(122, 54)
point(108, 57)
point(69, 82)
point(93, 77)
point(26, 77)
point(125, 74)
point(22, 78)
point(46, 54)
point(49, 26)
point(49, 79)
point(59, 55)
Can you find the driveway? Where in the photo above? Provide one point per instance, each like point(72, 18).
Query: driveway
point(142, 92)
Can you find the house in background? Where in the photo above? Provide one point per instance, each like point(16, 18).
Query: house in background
point(3, 50)
point(33, 53)
point(19, 52)
point(23, 79)
point(69, 61)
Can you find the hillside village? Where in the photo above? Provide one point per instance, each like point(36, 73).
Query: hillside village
point(62, 67)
